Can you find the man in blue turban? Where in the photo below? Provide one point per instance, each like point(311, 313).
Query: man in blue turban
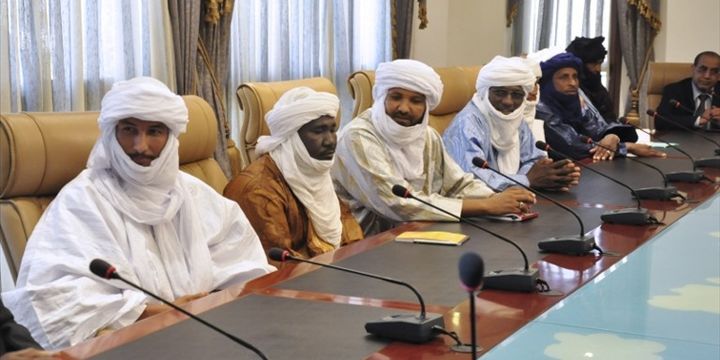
point(568, 117)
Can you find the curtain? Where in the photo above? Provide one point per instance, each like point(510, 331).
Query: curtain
point(286, 40)
point(402, 19)
point(541, 24)
point(638, 25)
point(201, 31)
point(64, 55)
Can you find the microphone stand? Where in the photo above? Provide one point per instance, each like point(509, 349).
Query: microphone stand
point(651, 193)
point(524, 280)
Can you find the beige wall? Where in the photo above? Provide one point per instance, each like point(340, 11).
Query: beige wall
point(682, 20)
point(461, 32)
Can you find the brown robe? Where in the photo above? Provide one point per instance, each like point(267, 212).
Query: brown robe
point(278, 217)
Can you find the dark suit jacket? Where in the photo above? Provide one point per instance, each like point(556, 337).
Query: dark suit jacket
point(683, 93)
point(13, 336)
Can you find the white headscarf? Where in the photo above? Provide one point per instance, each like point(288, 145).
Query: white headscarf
point(405, 144)
point(308, 178)
point(504, 129)
point(151, 195)
point(531, 106)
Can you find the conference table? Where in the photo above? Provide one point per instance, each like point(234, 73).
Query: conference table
point(598, 303)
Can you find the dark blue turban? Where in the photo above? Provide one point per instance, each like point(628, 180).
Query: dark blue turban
point(567, 106)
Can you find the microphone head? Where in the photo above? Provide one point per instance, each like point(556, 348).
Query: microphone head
point(674, 103)
point(278, 254)
point(103, 269)
point(651, 112)
point(480, 162)
point(472, 270)
point(400, 191)
point(586, 139)
point(541, 145)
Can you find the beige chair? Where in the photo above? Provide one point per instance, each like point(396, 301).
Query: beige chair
point(256, 99)
point(661, 74)
point(459, 87)
point(41, 152)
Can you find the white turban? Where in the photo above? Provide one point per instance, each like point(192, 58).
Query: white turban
point(308, 178)
point(294, 109)
point(405, 144)
point(504, 128)
point(151, 195)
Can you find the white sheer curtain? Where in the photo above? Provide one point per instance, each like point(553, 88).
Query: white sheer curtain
point(63, 55)
point(274, 40)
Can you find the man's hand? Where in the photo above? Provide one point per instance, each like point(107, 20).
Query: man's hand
point(512, 200)
point(34, 354)
point(601, 152)
point(644, 150)
point(557, 176)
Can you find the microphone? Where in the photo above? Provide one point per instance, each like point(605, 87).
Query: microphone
point(524, 280)
point(653, 193)
point(471, 269)
point(676, 104)
point(627, 216)
point(681, 176)
point(713, 162)
point(409, 328)
point(106, 271)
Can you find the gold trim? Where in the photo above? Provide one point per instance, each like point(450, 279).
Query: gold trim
point(647, 13)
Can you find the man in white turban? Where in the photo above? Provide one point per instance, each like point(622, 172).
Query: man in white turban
point(287, 193)
point(492, 126)
point(392, 144)
point(161, 228)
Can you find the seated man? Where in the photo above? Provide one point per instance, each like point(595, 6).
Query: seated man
point(592, 53)
point(163, 229)
point(533, 98)
point(492, 127)
point(391, 144)
point(568, 118)
point(287, 193)
point(700, 93)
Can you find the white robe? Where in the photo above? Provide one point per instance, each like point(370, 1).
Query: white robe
point(62, 303)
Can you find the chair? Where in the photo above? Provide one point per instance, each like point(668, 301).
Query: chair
point(662, 74)
point(40, 152)
point(256, 99)
point(459, 88)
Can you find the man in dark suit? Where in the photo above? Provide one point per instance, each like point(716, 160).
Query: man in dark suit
point(699, 93)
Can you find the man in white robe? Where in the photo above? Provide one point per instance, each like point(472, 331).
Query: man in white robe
point(161, 228)
point(391, 143)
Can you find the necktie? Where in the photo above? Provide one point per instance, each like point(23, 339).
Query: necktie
point(701, 106)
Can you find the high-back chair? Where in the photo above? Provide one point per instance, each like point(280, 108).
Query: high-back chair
point(458, 83)
point(257, 98)
point(41, 152)
point(661, 74)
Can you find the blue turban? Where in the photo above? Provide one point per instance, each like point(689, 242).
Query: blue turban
point(567, 106)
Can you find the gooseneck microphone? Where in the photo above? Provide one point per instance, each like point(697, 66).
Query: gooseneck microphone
point(471, 269)
point(525, 280)
point(713, 162)
point(652, 193)
point(676, 104)
point(681, 176)
point(627, 216)
point(106, 271)
point(409, 328)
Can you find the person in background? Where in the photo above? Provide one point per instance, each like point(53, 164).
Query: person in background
point(287, 193)
point(392, 144)
point(699, 93)
point(592, 53)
